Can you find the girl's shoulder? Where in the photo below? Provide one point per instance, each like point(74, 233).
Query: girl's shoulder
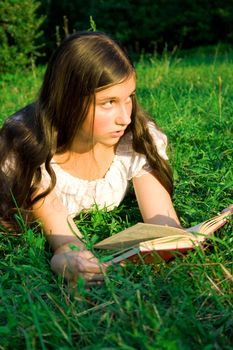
point(24, 115)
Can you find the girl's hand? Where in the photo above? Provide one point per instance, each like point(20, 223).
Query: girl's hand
point(78, 263)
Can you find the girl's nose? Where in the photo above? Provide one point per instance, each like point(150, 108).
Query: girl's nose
point(124, 115)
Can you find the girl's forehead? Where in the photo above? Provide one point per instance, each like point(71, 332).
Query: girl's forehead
point(126, 86)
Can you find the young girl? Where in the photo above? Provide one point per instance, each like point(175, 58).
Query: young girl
point(80, 144)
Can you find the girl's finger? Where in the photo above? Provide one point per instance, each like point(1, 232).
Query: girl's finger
point(87, 266)
point(90, 277)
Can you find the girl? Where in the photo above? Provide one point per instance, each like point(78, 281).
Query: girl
point(78, 145)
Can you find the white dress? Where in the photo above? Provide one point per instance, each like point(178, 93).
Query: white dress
point(77, 194)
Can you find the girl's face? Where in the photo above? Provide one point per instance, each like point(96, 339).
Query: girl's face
point(112, 114)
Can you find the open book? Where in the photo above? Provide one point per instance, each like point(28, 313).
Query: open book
point(155, 242)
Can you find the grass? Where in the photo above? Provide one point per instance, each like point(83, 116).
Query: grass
point(184, 304)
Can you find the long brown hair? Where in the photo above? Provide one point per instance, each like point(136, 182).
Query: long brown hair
point(84, 63)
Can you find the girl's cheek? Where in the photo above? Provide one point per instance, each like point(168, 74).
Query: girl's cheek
point(100, 125)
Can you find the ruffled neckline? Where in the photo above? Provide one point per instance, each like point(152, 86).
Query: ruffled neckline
point(76, 178)
point(121, 147)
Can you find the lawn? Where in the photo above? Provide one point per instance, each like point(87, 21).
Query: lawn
point(184, 304)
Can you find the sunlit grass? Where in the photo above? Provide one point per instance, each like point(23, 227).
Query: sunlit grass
point(184, 304)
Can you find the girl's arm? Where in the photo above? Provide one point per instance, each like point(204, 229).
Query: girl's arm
point(154, 201)
point(59, 228)
point(71, 259)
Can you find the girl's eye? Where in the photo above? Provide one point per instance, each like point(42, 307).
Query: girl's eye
point(108, 104)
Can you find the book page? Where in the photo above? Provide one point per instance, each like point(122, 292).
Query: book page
point(139, 233)
point(169, 243)
point(209, 226)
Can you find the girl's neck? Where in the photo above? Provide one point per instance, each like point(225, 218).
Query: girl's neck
point(86, 164)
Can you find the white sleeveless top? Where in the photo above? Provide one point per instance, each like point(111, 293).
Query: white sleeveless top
point(77, 194)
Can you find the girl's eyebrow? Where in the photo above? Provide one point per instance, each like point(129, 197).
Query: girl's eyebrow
point(113, 97)
point(133, 92)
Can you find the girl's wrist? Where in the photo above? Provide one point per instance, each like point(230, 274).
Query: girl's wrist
point(70, 246)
